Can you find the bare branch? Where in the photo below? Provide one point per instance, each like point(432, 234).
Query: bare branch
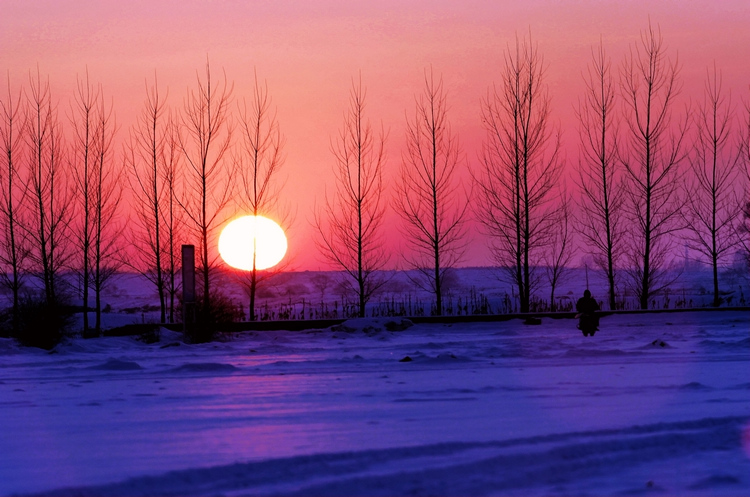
point(259, 161)
point(521, 166)
point(651, 156)
point(602, 195)
point(205, 138)
point(350, 224)
point(428, 194)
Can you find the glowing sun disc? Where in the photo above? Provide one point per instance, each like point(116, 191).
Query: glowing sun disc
point(241, 236)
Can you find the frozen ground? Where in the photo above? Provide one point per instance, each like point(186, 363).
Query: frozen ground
point(653, 404)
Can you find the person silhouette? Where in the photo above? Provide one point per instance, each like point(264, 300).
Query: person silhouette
point(588, 321)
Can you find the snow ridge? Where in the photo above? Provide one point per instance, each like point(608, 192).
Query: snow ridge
point(543, 464)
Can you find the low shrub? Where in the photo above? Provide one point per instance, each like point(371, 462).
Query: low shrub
point(208, 319)
point(39, 323)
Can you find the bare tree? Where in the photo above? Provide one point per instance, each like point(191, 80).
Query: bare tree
point(50, 214)
point(743, 226)
point(601, 201)
point(321, 282)
point(107, 194)
point(520, 168)
point(172, 216)
point(350, 226)
point(428, 195)
point(259, 162)
point(145, 157)
point(652, 155)
point(711, 209)
point(83, 122)
point(14, 249)
point(205, 139)
point(559, 253)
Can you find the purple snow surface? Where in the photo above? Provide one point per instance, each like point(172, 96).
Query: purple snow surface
point(653, 404)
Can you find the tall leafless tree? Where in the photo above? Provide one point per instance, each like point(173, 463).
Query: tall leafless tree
point(107, 194)
point(711, 209)
point(429, 196)
point(145, 157)
point(14, 249)
point(50, 193)
point(205, 139)
point(351, 223)
point(521, 165)
point(652, 155)
point(83, 163)
point(172, 216)
point(260, 161)
point(601, 202)
point(743, 226)
point(558, 255)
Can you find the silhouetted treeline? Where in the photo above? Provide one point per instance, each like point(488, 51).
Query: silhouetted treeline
point(652, 177)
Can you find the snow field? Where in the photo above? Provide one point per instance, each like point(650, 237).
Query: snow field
point(654, 403)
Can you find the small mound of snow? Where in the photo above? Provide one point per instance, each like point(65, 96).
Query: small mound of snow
point(726, 344)
point(8, 345)
point(399, 325)
point(444, 358)
point(594, 352)
point(167, 336)
point(694, 385)
point(117, 365)
point(205, 367)
point(657, 344)
point(70, 346)
point(714, 481)
point(447, 357)
point(371, 326)
point(343, 327)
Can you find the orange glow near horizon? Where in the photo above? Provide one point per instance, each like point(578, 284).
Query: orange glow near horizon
point(248, 235)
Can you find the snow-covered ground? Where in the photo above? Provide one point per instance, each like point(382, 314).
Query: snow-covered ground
point(653, 404)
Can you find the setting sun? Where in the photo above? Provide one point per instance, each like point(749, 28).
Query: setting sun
point(240, 237)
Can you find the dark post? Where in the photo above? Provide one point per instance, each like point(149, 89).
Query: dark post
point(188, 287)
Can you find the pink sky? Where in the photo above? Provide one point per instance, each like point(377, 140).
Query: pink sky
point(309, 51)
